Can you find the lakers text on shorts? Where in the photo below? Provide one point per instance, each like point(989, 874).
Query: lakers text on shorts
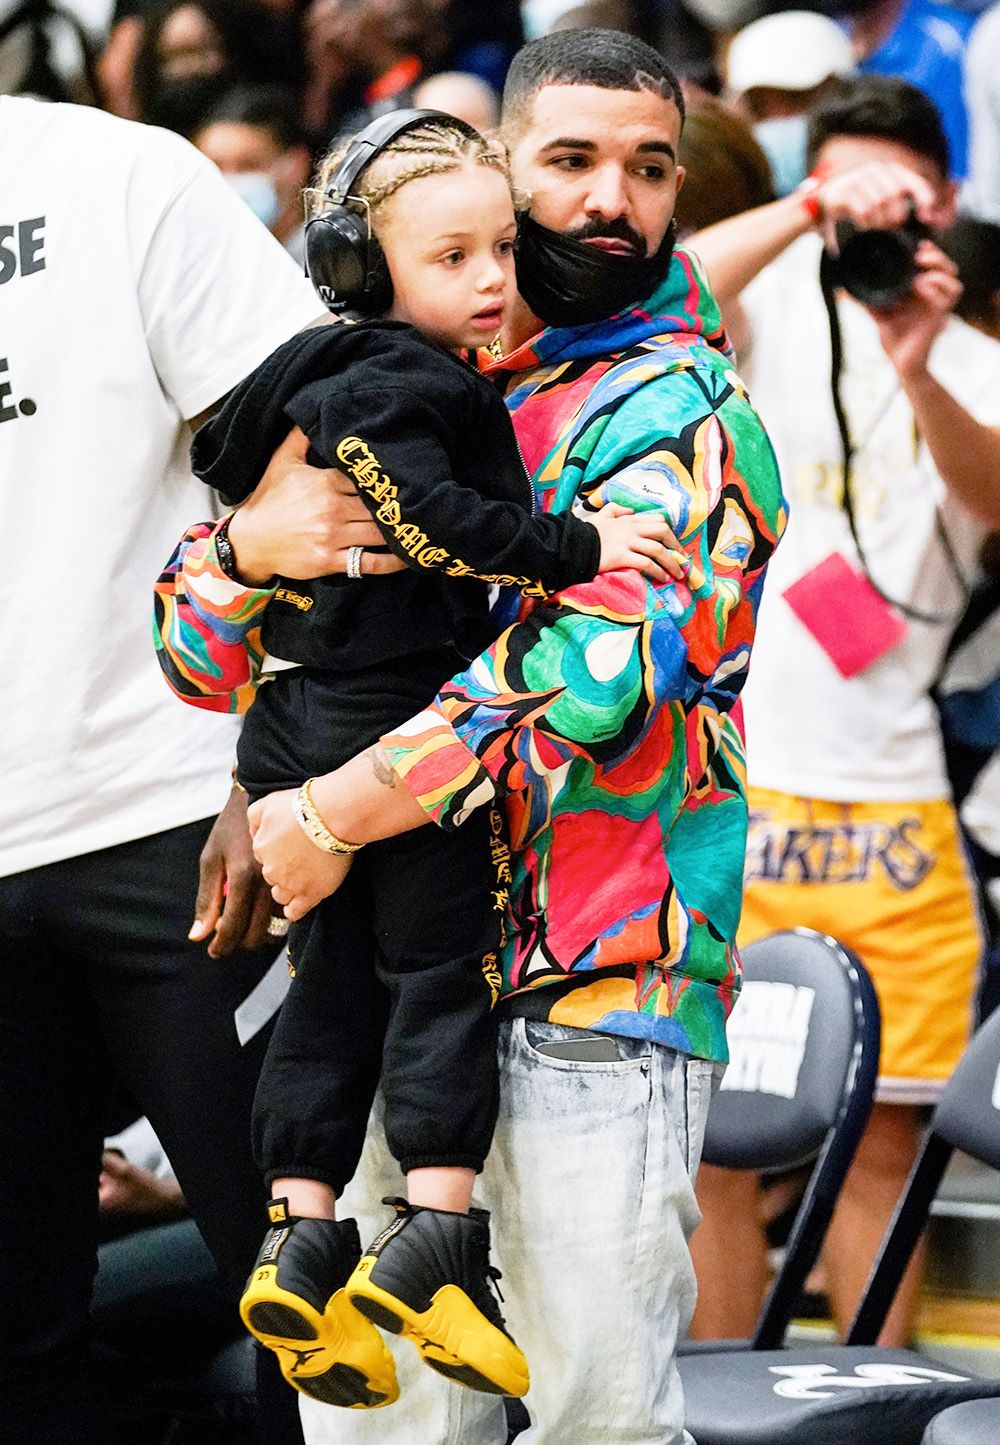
point(890, 881)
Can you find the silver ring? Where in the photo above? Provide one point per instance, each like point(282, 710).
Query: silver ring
point(354, 562)
point(277, 926)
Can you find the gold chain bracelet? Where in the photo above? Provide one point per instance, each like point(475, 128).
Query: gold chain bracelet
point(308, 818)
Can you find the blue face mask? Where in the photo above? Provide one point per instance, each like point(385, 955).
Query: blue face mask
point(783, 141)
point(257, 189)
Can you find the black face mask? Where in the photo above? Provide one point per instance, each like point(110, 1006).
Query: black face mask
point(568, 282)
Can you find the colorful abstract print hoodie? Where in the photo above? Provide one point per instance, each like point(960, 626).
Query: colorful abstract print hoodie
point(604, 715)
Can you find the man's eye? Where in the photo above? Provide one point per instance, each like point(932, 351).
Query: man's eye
point(653, 173)
point(570, 163)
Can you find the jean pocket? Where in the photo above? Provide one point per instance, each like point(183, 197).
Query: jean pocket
point(558, 1046)
point(702, 1078)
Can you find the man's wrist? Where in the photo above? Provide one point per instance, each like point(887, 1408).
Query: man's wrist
point(916, 379)
point(245, 567)
point(808, 195)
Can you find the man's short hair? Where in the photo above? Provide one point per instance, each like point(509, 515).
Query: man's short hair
point(609, 59)
point(884, 107)
point(265, 107)
point(974, 246)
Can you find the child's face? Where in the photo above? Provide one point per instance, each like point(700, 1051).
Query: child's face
point(449, 242)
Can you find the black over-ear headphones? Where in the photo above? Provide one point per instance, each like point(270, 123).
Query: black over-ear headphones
point(344, 260)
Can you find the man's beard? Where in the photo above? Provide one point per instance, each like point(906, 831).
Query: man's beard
point(566, 281)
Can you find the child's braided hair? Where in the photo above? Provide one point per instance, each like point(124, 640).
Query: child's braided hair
point(430, 149)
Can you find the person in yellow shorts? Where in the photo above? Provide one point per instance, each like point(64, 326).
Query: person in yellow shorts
point(889, 880)
point(851, 830)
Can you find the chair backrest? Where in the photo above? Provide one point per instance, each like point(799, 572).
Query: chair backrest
point(967, 1117)
point(804, 1063)
point(796, 1038)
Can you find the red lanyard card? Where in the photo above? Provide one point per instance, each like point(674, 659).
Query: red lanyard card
point(852, 623)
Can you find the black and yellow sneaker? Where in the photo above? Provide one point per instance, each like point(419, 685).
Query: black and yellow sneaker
point(295, 1304)
point(428, 1277)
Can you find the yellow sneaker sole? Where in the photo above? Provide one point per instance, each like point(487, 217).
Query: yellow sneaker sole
point(337, 1357)
point(453, 1336)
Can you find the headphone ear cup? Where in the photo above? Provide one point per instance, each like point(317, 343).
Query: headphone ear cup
point(378, 287)
point(337, 259)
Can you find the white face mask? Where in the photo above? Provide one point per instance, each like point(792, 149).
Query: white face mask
point(783, 141)
point(258, 190)
point(539, 16)
point(725, 14)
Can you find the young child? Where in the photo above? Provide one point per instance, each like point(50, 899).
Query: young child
point(395, 974)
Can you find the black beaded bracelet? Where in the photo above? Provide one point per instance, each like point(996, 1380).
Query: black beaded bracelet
point(224, 552)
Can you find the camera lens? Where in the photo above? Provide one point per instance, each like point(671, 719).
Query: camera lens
point(878, 268)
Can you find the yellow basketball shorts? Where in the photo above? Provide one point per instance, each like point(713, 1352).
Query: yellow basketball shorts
point(890, 881)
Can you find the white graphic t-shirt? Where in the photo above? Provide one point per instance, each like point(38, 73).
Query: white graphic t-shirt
point(136, 289)
point(811, 731)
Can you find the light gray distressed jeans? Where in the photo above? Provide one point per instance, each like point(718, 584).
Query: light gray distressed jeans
point(589, 1184)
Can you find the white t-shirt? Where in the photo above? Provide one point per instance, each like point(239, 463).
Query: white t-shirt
point(136, 289)
point(981, 194)
point(811, 731)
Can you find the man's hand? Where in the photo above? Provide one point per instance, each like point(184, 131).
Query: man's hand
point(909, 329)
point(642, 540)
point(233, 899)
point(876, 196)
point(300, 874)
point(300, 521)
point(126, 1192)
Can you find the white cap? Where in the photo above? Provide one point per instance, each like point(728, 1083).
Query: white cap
point(794, 50)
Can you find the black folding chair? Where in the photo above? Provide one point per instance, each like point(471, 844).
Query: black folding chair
point(804, 1048)
point(828, 1395)
point(977, 1422)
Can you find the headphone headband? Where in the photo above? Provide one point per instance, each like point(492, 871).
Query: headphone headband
point(367, 144)
point(343, 257)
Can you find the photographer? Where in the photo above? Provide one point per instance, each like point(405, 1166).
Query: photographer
point(852, 830)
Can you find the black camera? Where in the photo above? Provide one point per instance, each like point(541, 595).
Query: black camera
point(878, 268)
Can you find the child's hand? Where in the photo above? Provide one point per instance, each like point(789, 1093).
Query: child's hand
point(300, 874)
point(637, 539)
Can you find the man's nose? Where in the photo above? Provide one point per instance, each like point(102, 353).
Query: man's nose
point(607, 194)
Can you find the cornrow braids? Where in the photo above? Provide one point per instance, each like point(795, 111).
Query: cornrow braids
point(431, 149)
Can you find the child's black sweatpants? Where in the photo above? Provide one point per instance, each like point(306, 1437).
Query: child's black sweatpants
point(395, 979)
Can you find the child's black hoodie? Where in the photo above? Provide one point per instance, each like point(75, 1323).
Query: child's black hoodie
point(430, 447)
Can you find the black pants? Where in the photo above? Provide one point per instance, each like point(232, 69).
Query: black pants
point(395, 977)
point(98, 979)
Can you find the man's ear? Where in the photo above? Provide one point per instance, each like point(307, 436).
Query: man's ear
point(681, 173)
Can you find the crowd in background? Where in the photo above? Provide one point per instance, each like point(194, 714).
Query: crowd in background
point(263, 87)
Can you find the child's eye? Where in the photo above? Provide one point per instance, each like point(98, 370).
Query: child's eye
point(453, 258)
point(505, 247)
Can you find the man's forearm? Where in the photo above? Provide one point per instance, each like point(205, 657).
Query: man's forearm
point(206, 627)
point(734, 251)
point(364, 800)
point(965, 451)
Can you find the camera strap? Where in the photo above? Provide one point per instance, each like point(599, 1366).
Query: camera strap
point(913, 614)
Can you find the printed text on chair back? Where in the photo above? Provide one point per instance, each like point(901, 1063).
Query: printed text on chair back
point(792, 1037)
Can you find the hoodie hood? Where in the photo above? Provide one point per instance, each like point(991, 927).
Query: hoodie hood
point(681, 311)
